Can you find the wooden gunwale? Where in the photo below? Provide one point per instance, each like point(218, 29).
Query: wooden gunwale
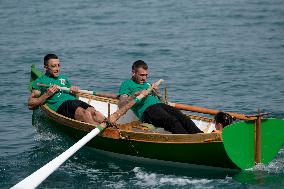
point(172, 138)
point(123, 132)
point(202, 118)
point(103, 99)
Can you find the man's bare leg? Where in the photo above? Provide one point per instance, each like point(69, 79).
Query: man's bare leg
point(85, 116)
point(97, 116)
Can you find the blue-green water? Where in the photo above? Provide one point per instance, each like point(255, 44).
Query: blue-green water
point(220, 54)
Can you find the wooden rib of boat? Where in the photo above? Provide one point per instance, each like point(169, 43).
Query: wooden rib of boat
point(131, 137)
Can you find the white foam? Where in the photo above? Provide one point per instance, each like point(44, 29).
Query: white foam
point(276, 167)
point(46, 136)
point(119, 184)
point(153, 180)
point(76, 168)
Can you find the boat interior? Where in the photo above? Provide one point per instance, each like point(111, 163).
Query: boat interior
point(129, 121)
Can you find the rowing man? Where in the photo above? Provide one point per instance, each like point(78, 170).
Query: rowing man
point(62, 102)
point(151, 109)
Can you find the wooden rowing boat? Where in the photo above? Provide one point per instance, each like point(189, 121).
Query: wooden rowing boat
point(239, 147)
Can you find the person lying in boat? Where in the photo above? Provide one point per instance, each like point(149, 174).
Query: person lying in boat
point(62, 102)
point(151, 109)
point(222, 119)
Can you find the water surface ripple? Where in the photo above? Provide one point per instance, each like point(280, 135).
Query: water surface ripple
point(220, 54)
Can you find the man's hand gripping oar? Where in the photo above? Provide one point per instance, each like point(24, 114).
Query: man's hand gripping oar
point(40, 175)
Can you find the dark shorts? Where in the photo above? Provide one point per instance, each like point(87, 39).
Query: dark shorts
point(69, 107)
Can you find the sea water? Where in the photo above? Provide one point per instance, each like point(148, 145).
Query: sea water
point(220, 54)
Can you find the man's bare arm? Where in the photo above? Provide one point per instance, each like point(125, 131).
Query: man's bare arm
point(124, 99)
point(36, 99)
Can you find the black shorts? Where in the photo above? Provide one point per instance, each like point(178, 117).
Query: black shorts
point(69, 107)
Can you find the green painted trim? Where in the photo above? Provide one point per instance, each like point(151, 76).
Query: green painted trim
point(238, 141)
point(34, 75)
point(137, 100)
point(100, 128)
point(272, 138)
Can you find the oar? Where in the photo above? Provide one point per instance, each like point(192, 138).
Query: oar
point(40, 175)
point(102, 94)
point(209, 111)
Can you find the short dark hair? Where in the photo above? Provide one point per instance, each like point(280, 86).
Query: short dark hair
point(223, 118)
point(48, 57)
point(139, 64)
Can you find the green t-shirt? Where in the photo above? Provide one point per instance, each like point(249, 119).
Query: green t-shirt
point(59, 97)
point(130, 87)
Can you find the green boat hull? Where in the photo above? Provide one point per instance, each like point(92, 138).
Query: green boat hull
point(210, 154)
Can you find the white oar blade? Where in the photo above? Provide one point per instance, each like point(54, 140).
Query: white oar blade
point(40, 175)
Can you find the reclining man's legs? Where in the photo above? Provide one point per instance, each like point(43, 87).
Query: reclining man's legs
point(89, 115)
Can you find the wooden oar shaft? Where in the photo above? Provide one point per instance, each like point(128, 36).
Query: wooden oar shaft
point(209, 111)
